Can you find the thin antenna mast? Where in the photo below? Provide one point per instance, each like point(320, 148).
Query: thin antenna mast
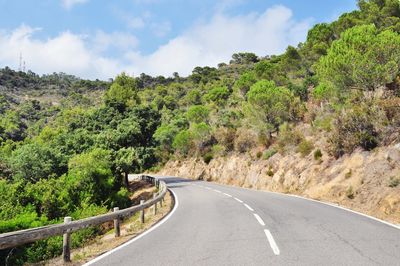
point(20, 62)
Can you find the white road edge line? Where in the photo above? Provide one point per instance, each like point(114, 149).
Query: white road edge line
point(259, 219)
point(317, 201)
point(272, 242)
point(139, 236)
point(226, 194)
point(241, 201)
point(248, 207)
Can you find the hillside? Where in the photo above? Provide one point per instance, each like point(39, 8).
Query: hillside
point(321, 120)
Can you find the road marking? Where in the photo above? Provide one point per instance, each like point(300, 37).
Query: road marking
point(139, 236)
point(272, 242)
point(241, 201)
point(259, 219)
point(217, 191)
point(226, 194)
point(208, 188)
point(248, 207)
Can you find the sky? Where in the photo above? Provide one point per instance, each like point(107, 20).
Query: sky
point(97, 39)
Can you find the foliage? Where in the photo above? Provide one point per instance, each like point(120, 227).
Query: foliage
point(363, 58)
point(394, 182)
point(269, 153)
point(271, 105)
point(356, 127)
point(305, 147)
point(67, 144)
point(317, 154)
point(122, 93)
point(197, 114)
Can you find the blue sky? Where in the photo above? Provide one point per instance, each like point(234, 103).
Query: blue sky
point(99, 38)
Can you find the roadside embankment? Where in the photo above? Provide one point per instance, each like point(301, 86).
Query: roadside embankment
point(368, 182)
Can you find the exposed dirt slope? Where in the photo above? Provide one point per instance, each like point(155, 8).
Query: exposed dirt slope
point(359, 181)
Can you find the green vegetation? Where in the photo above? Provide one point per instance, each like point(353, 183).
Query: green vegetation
point(394, 182)
point(66, 144)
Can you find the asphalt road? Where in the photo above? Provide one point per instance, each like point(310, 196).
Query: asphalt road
point(246, 227)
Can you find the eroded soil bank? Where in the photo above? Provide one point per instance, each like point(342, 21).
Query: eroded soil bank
point(363, 181)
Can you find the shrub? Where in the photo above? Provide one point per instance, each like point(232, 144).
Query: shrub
point(245, 140)
point(350, 192)
point(317, 154)
point(394, 182)
point(218, 150)
point(225, 137)
point(356, 127)
point(269, 153)
point(305, 147)
point(288, 137)
point(207, 157)
point(270, 172)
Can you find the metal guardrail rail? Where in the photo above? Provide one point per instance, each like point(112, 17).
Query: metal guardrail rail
point(17, 238)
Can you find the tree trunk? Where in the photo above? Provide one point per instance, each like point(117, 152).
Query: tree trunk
point(126, 181)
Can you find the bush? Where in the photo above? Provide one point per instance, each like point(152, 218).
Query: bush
point(394, 182)
point(225, 137)
point(356, 127)
point(182, 142)
point(350, 193)
point(269, 153)
point(317, 154)
point(259, 154)
point(245, 140)
point(207, 157)
point(305, 147)
point(218, 150)
point(288, 137)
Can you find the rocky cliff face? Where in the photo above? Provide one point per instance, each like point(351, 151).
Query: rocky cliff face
point(363, 181)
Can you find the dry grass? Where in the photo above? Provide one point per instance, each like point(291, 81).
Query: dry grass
point(130, 228)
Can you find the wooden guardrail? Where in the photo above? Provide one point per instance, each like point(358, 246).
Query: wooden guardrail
point(17, 238)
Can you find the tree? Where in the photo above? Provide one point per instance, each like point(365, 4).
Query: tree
point(90, 177)
point(182, 142)
point(271, 105)
point(245, 81)
point(122, 93)
point(126, 161)
point(244, 58)
point(32, 162)
point(363, 58)
point(217, 95)
point(197, 113)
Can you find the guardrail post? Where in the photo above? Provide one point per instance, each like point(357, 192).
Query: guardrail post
point(67, 242)
point(117, 228)
point(142, 212)
point(155, 204)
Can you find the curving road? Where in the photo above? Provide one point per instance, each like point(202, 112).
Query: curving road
point(221, 225)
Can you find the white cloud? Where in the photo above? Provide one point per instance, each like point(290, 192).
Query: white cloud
point(215, 41)
point(103, 41)
point(66, 52)
point(68, 4)
point(207, 43)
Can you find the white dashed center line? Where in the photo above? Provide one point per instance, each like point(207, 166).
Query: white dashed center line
point(217, 191)
point(241, 201)
point(226, 194)
point(248, 207)
point(272, 242)
point(259, 219)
